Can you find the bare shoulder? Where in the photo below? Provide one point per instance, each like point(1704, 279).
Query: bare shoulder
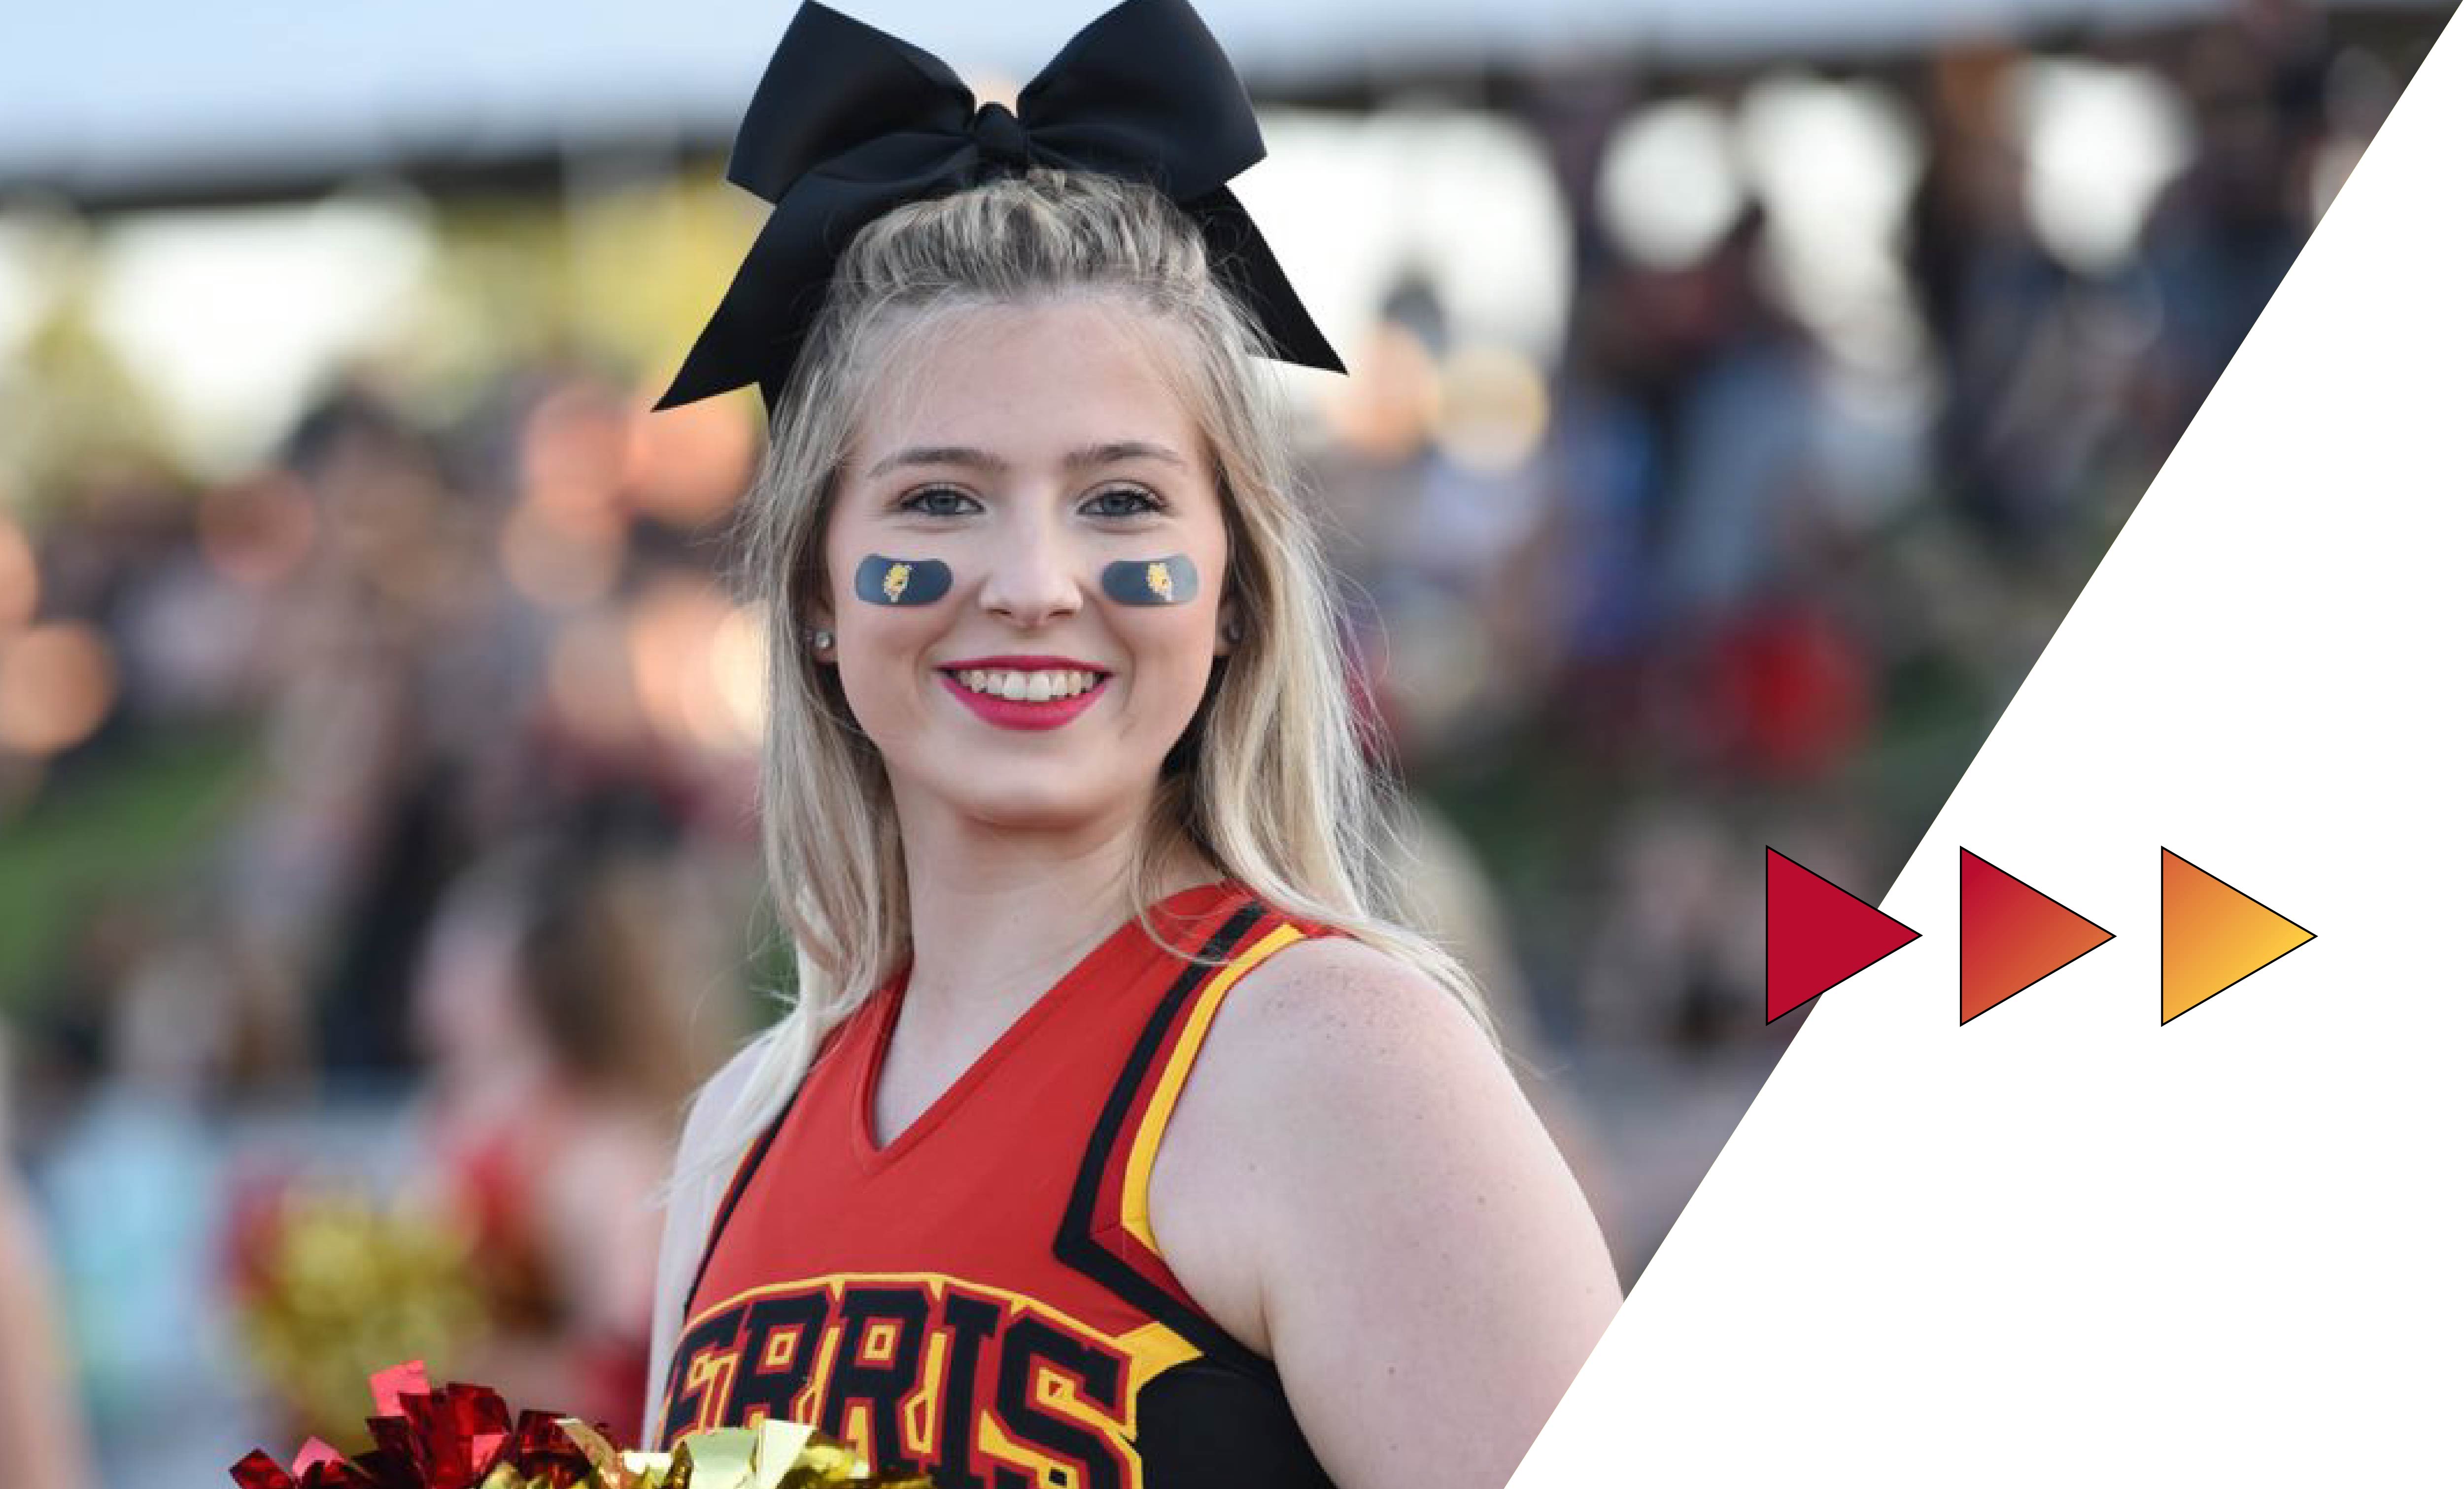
point(1327, 1036)
point(1332, 1035)
point(718, 1094)
point(1334, 1004)
point(694, 1197)
point(701, 1169)
point(1356, 1187)
point(1360, 1083)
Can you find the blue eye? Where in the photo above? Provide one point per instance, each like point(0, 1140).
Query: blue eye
point(1123, 502)
point(940, 502)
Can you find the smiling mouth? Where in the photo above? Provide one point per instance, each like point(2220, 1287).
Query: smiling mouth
point(1038, 686)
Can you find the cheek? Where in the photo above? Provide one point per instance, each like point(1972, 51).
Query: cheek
point(1168, 605)
point(880, 650)
point(1175, 646)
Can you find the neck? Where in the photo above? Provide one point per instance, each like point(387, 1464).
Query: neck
point(999, 913)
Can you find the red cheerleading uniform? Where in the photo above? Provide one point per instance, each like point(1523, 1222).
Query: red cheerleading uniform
point(981, 1300)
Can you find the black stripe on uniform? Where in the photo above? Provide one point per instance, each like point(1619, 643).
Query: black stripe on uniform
point(745, 1171)
point(1076, 1245)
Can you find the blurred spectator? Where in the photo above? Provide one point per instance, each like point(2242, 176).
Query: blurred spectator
point(131, 1185)
point(563, 1037)
point(42, 1436)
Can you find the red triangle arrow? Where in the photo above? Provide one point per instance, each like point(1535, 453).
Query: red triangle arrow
point(1815, 935)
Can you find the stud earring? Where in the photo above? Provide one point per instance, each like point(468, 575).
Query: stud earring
point(821, 639)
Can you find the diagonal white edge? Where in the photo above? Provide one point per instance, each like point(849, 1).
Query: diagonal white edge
point(2065, 1244)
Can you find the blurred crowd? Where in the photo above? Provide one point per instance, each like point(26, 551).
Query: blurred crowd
point(379, 822)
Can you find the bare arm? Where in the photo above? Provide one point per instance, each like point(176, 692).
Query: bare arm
point(690, 1208)
point(1354, 1184)
point(40, 1421)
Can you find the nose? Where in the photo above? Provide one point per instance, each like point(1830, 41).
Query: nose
point(1034, 576)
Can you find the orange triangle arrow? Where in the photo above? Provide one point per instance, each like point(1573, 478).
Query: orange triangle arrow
point(2214, 935)
point(2011, 937)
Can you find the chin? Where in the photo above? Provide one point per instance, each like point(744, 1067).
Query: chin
point(1029, 801)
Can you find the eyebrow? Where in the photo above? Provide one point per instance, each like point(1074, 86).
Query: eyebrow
point(981, 459)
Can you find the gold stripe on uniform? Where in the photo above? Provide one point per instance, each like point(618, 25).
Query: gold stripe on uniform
point(1176, 1071)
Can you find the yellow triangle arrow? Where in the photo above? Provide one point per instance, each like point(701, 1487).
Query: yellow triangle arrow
point(2214, 935)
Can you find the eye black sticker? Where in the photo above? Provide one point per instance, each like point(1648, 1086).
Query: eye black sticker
point(889, 581)
point(1170, 580)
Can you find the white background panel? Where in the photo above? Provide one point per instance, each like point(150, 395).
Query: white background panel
point(2064, 1244)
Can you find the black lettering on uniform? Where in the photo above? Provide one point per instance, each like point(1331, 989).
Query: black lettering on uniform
point(715, 1333)
point(971, 1322)
point(1029, 1343)
point(771, 1389)
point(881, 1385)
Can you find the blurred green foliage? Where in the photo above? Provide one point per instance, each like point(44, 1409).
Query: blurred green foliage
point(129, 823)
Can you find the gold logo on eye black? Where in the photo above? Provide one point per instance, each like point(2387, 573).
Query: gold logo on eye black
point(1159, 582)
point(893, 584)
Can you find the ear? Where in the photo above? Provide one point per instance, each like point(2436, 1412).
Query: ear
point(1229, 628)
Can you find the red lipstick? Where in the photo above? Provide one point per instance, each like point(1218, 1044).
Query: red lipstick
point(1007, 663)
point(1018, 713)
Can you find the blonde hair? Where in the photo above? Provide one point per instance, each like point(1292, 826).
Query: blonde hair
point(1272, 785)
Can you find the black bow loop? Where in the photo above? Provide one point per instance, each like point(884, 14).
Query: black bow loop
point(1144, 90)
point(849, 122)
point(832, 85)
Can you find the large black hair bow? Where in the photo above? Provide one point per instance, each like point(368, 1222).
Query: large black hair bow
point(849, 122)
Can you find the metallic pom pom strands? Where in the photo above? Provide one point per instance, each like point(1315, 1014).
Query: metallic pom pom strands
point(1170, 580)
point(889, 581)
point(462, 1436)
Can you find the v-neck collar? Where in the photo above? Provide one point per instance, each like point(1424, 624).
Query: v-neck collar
point(873, 1155)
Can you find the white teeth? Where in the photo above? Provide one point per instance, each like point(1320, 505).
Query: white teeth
point(1026, 687)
